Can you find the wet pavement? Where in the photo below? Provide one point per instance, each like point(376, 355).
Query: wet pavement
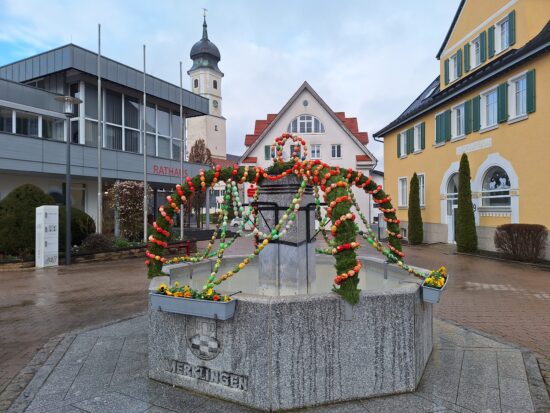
point(507, 300)
point(105, 370)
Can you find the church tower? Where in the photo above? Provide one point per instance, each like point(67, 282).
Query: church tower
point(206, 80)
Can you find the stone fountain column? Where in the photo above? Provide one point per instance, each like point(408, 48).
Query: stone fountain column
point(287, 266)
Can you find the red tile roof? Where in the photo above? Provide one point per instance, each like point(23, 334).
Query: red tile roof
point(224, 163)
point(250, 159)
point(350, 124)
point(363, 158)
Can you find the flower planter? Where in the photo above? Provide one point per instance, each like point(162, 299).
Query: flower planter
point(432, 295)
point(189, 306)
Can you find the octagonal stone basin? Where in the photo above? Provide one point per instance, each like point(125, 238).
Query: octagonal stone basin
point(293, 351)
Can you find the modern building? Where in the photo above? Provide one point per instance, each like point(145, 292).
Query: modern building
point(33, 128)
point(206, 81)
point(330, 136)
point(491, 100)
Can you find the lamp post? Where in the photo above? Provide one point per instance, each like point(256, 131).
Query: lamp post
point(69, 103)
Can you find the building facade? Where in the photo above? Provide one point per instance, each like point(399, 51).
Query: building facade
point(34, 129)
point(490, 101)
point(330, 136)
point(206, 81)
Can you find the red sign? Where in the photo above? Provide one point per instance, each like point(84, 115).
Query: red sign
point(167, 171)
point(251, 191)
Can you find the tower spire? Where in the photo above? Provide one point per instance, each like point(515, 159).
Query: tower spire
point(204, 26)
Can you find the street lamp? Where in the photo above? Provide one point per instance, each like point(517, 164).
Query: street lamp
point(69, 103)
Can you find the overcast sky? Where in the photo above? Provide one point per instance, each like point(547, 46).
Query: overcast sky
point(369, 58)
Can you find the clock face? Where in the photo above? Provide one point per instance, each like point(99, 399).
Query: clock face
point(215, 103)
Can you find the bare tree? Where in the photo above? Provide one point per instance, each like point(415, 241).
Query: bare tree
point(199, 154)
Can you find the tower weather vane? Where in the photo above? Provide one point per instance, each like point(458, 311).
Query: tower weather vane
point(204, 12)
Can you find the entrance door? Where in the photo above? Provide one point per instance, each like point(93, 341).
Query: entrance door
point(452, 224)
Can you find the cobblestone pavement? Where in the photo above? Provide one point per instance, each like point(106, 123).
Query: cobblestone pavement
point(507, 300)
point(105, 370)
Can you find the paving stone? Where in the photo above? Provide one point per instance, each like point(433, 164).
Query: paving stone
point(510, 365)
point(88, 384)
point(351, 407)
point(514, 394)
point(113, 403)
point(478, 398)
point(442, 374)
point(399, 403)
point(480, 367)
point(156, 409)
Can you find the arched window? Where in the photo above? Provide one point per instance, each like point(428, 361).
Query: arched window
point(495, 190)
point(196, 83)
point(215, 84)
point(306, 124)
point(452, 193)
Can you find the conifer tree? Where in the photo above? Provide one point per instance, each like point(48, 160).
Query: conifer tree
point(466, 236)
point(416, 230)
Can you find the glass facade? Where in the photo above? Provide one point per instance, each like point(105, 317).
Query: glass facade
point(26, 124)
point(6, 120)
point(53, 128)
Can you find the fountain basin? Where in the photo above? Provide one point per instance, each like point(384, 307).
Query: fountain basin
point(293, 351)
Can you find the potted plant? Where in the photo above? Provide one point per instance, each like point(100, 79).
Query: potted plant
point(434, 284)
point(186, 300)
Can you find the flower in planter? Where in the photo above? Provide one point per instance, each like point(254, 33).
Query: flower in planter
point(436, 279)
point(187, 292)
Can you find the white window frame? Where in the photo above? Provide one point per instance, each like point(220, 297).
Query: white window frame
point(416, 139)
point(338, 147)
point(512, 104)
point(403, 144)
point(500, 46)
point(475, 58)
point(402, 198)
point(316, 151)
point(457, 134)
point(422, 189)
point(483, 110)
point(301, 120)
point(453, 67)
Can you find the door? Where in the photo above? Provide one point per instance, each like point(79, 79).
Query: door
point(452, 224)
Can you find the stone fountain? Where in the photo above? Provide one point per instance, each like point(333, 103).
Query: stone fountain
point(286, 347)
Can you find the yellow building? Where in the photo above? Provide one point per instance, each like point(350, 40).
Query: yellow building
point(491, 101)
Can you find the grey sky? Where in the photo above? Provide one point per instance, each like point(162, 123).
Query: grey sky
point(368, 58)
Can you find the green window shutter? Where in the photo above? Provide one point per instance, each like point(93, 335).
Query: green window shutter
point(483, 46)
point(446, 71)
point(502, 102)
point(423, 135)
point(447, 125)
point(491, 41)
point(476, 114)
point(398, 145)
point(531, 92)
point(267, 152)
point(512, 28)
point(437, 128)
point(459, 62)
point(468, 117)
point(410, 140)
point(467, 57)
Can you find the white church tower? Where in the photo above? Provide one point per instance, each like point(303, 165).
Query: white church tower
point(206, 80)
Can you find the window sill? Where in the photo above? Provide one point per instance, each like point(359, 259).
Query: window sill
point(402, 207)
point(402, 156)
point(438, 145)
point(418, 151)
point(517, 119)
point(458, 138)
point(488, 128)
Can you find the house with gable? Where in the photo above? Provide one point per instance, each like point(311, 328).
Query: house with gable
point(491, 100)
point(330, 136)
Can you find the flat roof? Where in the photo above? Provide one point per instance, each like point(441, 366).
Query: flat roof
point(75, 57)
